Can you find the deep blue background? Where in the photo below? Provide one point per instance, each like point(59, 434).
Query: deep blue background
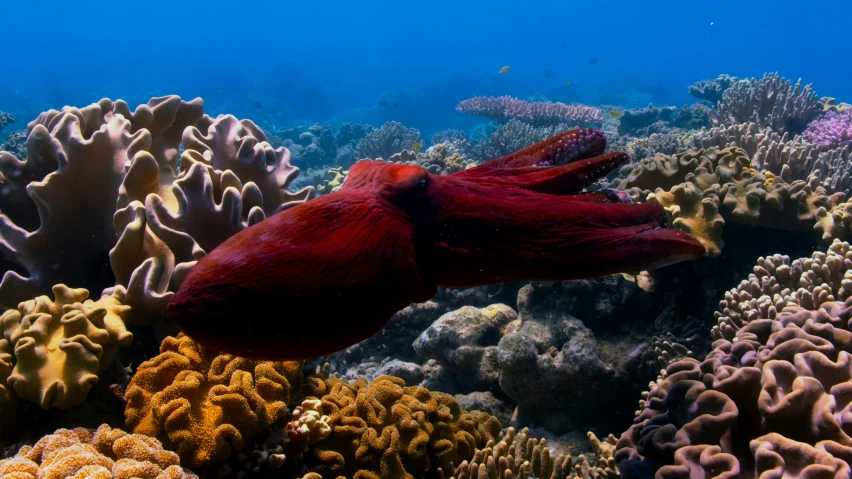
point(331, 60)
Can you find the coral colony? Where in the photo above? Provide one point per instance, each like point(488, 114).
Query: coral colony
point(196, 296)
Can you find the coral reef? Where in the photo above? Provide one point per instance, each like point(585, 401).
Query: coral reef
point(6, 119)
point(102, 453)
point(51, 351)
point(770, 101)
point(711, 90)
point(641, 121)
point(510, 137)
point(202, 403)
point(391, 138)
point(387, 430)
point(336, 177)
point(505, 108)
point(831, 131)
point(16, 144)
point(771, 395)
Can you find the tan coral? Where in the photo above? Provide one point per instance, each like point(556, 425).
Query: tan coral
point(241, 146)
point(385, 429)
point(336, 178)
point(204, 403)
point(61, 345)
point(105, 453)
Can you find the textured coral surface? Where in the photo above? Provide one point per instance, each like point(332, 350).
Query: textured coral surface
point(202, 404)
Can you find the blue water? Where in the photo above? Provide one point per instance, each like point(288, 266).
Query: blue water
point(331, 60)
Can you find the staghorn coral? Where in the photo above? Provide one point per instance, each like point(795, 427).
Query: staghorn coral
point(707, 188)
point(204, 403)
point(773, 393)
point(711, 90)
point(104, 453)
point(505, 108)
point(510, 137)
point(16, 144)
point(520, 456)
point(832, 130)
point(770, 101)
point(59, 346)
point(6, 119)
point(391, 138)
point(832, 170)
point(386, 430)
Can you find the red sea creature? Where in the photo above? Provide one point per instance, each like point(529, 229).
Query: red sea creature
point(331, 272)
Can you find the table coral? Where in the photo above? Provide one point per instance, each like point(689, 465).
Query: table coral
point(104, 453)
point(60, 345)
point(204, 403)
point(387, 430)
point(539, 113)
point(772, 396)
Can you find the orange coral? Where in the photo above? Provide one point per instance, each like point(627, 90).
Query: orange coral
point(386, 430)
point(203, 402)
point(102, 454)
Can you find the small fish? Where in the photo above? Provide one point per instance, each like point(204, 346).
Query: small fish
point(258, 105)
point(417, 147)
point(505, 70)
point(593, 61)
point(548, 73)
point(383, 103)
point(615, 113)
point(568, 83)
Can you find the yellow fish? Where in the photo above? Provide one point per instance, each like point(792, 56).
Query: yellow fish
point(505, 70)
point(417, 147)
point(568, 83)
point(615, 113)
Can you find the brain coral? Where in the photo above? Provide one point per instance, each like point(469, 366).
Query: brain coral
point(59, 346)
point(204, 403)
point(387, 430)
point(773, 396)
point(105, 453)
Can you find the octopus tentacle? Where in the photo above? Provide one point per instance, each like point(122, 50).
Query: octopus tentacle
point(559, 180)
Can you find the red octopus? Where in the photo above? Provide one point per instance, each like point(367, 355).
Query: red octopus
point(331, 272)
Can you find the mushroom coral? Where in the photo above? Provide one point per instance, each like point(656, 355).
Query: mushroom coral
point(204, 403)
point(51, 351)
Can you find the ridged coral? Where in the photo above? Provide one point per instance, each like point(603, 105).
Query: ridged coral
point(539, 113)
point(387, 430)
point(51, 351)
point(773, 395)
point(703, 189)
point(204, 403)
point(104, 453)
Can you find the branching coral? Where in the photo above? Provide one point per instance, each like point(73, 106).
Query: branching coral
point(518, 456)
point(505, 108)
point(6, 119)
point(59, 346)
point(386, 430)
point(391, 138)
point(832, 130)
point(772, 395)
point(105, 453)
point(204, 403)
point(768, 101)
point(711, 90)
point(16, 144)
point(512, 136)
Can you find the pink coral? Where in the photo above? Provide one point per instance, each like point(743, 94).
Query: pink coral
point(540, 113)
point(832, 130)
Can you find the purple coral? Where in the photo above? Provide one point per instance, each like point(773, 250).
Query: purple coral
point(504, 108)
point(832, 130)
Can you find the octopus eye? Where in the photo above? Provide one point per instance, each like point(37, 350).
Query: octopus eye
point(422, 182)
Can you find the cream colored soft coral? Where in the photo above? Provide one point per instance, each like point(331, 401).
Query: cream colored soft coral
point(102, 454)
point(60, 345)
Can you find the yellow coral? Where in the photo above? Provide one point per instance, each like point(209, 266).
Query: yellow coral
point(203, 402)
point(336, 178)
point(386, 430)
point(102, 454)
point(60, 346)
